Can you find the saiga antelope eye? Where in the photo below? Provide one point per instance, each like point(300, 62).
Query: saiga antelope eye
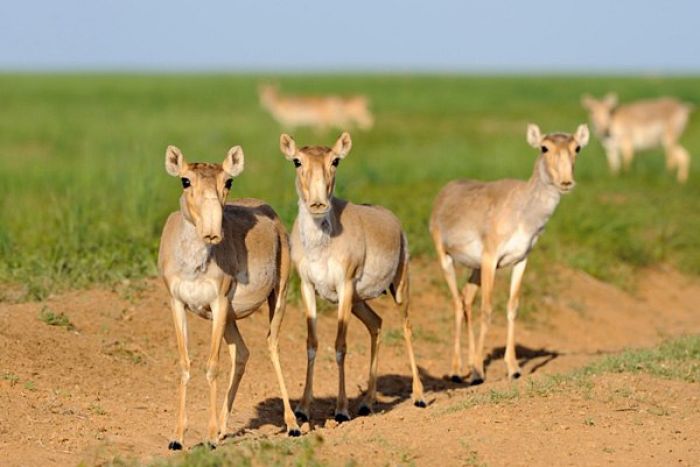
point(228, 183)
point(297, 163)
point(335, 162)
point(185, 182)
point(578, 149)
point(544, 149)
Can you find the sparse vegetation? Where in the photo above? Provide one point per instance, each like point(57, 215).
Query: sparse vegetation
point(11, 378)
point(67, 136)
point(675, 359)
point(298, 453)
point(55, 319)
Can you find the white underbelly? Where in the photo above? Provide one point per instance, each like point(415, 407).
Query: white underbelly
point(198, 294)
point(467, 252)
point(648, 137)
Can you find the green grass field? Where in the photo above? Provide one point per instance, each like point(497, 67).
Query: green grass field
point(84, 192)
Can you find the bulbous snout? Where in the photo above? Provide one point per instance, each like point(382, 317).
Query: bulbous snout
point(318, 207)
point(209, 225)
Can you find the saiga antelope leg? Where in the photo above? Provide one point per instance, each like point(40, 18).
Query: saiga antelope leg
point(627, 155)
point(488, 275)
point(219, 312)
point(277, 304)
point(345, 296)
point(513, 302)
point(402, 297)
point(448, 270)
point(308, 295)
point(373, 323)
point(180, 321)
point(468, 294)
point(239, 357)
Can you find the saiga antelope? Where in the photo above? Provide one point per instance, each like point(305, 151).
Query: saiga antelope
point(348, 254)
point(316, 111)
point(644, 124)
point(222, 261)
point(489, 225)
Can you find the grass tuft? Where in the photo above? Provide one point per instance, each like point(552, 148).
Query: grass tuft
point(55, 319)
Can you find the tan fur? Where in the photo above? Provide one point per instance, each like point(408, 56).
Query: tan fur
point(639, 125)
point(318, 112)
point(347, 254)
point(490, 225)
point(222, 262)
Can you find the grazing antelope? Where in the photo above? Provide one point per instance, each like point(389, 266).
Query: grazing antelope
point(318, 112)
point(222, 261)
point(348, 254)
point(489, 225)
point(644, 124)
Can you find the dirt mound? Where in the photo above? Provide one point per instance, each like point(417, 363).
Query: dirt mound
point(103, 380)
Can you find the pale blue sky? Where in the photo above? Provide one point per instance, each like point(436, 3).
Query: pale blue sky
point(360, 35)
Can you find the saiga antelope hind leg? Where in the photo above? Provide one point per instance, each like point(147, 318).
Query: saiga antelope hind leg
point(277, 305)
point(373, 323)
point(400, 292)
point(448, 270)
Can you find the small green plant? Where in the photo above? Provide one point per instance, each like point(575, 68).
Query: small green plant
point(97, 409)
point(30, 386)
point(55, 319)
point(11, 378)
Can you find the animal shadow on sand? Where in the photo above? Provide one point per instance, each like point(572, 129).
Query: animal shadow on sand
point(525, 355)
point(394, 389)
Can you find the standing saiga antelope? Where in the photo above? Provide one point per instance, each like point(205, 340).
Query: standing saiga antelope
point(644, 124)
point(222, 261)
point(489, 225)
point(348, 254)
point(316, 111)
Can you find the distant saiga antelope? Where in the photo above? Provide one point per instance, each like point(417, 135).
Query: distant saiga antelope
point(222, 261)
point(644, 124)
point(489, 225)
point(319, 112)
point(348, 254)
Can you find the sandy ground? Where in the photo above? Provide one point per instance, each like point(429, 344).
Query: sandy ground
point(109, 386)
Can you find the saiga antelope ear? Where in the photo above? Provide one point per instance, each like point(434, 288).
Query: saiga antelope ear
point(587, 101)
point(534, 137)
point(174, 161)
point(234, 162)
point(343, 145)
point(582, 135)
point(287, 146)
point(610, 99)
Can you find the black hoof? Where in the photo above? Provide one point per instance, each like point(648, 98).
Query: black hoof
point(175, 446)
point(341, 417)
point(301, 416)
point(420, 403)
point(363, 411)
point(294, 432)
point(475, 380)
point(457, 379)
point(515, 375)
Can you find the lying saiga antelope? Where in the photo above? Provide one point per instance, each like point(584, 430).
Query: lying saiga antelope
point(489, 225)
point(348, 254)
point(222, 262)
point(644, 124)
point(317, 112)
